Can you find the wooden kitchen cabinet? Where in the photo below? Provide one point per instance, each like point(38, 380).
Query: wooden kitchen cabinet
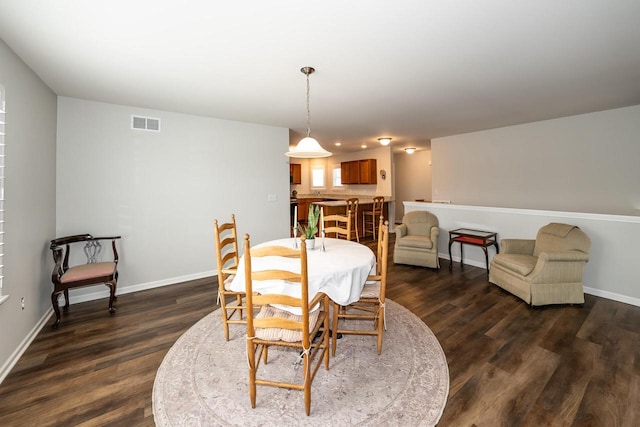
point(354, 172)
point(350, 172)
point(359, 172)
point(368, 171)
point(295, 173)
point(303, 208)
point(345, 174)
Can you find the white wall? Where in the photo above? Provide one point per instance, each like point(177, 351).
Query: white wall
point(585, 163)
point(161, 191)
point(411, 178)
point(612, 268)
point(30, 205)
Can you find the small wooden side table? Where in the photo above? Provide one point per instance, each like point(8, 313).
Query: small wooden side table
point(480, 238)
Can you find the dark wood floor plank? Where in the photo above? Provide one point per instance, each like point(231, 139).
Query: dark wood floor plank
point(509, 364)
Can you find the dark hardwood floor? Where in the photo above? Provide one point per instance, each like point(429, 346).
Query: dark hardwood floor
point(509, 364)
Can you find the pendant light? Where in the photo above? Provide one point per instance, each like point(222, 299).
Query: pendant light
point(308, 147)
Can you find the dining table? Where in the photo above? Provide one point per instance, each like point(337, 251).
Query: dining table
point(335, 267)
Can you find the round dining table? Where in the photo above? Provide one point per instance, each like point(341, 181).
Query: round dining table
point(340, 270)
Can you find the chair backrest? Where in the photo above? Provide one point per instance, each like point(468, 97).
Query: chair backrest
point(557, 237)
point(61, 249)
point(339, 225)
point(419, 222)
point(378, 204)
point(226, 239)
point(352, 205)
point(383, 248)
point(255, 300)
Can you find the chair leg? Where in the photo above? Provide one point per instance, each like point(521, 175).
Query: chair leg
point(334, 329)
point(252, 372)
point(307, 384)
point(380, 327)
point(223, 311)
point(56, 308)
point(112, 296)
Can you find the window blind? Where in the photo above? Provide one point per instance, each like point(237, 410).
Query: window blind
point(2, 163)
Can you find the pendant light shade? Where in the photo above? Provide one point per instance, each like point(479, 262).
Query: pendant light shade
point(308, 147)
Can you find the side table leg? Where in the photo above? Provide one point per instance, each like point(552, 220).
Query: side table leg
point(486, 258)
point(450, 259)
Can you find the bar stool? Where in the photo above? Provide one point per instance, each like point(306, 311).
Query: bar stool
point(370, 217)
point(352, 205)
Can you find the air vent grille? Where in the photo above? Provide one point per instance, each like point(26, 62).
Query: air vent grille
point(145, 123)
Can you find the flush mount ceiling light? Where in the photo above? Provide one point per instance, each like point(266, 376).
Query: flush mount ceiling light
point(308, 148)
point(385, 141)
point(410, 150)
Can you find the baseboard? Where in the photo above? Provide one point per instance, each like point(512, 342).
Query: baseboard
point(587, 290)
point(26, 342)
point(24, 345)
point(612, 296)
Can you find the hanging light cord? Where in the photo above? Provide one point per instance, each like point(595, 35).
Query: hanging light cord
point(308, 108)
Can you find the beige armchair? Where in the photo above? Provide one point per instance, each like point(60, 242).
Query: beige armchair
point(547, 270)
point(417, 240)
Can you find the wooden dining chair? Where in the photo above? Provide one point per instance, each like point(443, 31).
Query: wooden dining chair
point(339, 226)
point(371, 305)
point(306, 334)
point(369, 217)
point(352, 205)
point(226, 239)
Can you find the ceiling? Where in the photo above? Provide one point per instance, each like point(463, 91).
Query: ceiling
point(409, 69)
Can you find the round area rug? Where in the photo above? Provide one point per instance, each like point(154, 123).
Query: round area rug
point(202, 380)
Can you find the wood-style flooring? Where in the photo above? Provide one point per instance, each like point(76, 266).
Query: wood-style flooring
point(509, 364)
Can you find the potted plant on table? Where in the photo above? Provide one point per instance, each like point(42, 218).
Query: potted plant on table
point(311, 229)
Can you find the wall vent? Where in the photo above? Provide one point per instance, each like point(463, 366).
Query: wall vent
point(145, 123)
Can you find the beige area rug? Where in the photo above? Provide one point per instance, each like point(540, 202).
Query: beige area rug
point(202, 380)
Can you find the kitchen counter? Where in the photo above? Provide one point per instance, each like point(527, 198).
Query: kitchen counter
point(331, 203)
point(339, 198)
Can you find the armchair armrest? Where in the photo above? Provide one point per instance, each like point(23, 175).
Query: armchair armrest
point(401, 230)
point(435, 232)
point(567, 256)
point(559, 267)
point(518, 246)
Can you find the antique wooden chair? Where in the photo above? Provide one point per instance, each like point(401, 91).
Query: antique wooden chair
point(226, 239)
point(91, 273)
point(307, 334)
point(370, 306)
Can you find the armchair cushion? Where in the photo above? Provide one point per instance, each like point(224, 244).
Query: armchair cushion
point(521, 264)
point(423, 242)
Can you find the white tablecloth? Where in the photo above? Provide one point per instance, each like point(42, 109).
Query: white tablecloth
point(340, 271)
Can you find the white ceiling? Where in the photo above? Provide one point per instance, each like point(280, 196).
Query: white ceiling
point(409, 69)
